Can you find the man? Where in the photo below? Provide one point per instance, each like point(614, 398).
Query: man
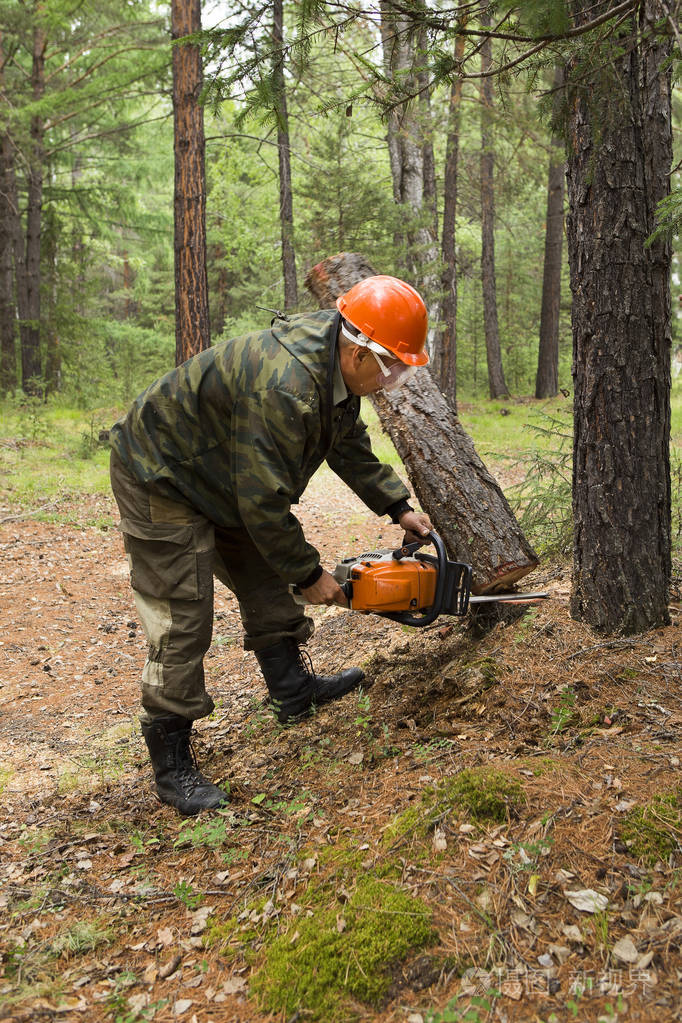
point(205, 467)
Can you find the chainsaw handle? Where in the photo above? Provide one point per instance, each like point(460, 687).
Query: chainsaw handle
point(404, 617)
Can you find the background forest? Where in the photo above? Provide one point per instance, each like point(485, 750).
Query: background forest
point(87, 134)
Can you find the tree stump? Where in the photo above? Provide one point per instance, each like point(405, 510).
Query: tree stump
point(451, 483)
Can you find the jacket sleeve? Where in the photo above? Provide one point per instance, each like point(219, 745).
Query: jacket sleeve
point(271, 431)
point(351, 457)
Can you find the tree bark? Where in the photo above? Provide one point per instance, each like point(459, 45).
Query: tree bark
point(53, 358)
point(547, 377)
point(451, 483)
point(618, 169)
point(286, 204)
point(192, 326)
point(496, 382)
point(406, 148)
point(31, 371)
point(9, 216)
point(448, 339)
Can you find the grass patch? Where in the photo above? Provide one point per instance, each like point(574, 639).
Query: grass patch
point(343, 954)
point(36, 437)
point(651, 831)
point(80, 938)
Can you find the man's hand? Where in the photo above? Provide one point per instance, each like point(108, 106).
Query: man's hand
point(417, 526)
point(325, 591)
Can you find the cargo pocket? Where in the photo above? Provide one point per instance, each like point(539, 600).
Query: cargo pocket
point(169, 560)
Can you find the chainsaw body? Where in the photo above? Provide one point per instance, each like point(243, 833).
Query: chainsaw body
point(406, 584)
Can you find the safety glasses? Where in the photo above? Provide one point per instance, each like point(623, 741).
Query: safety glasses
point(392, 376)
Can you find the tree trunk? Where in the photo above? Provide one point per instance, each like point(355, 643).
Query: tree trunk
point(53, 358)
point(192, 327)
point(8, 226)
point(618, 169)
point(406, 147)
point(286, 205)
point(31, 371)
point(547, 378)
point(451, 483)
point(496, 382)
point(448, 339)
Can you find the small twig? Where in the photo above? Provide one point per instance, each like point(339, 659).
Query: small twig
point(26, 515)
point(615, 644)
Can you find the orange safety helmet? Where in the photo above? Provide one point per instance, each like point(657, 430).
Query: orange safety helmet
point(391, 313)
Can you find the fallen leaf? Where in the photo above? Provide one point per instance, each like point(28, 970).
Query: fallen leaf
point(587, 900)
point(440, 842)
point(356, 758)
point(181, 1006)
point(170, 967)
point(72, 1005)
point(138, 1002)
point(573, 933)
point(626, 950)
point(560, 952)
point(234, 985)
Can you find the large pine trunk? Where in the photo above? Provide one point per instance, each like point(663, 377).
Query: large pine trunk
point(192, 328)
point(448, 338)
point(409, 142)
point(497, 385)
point(286, 205)
point(31, 367)
point(618, 169)
point(8, 359)
point(547, 377)
point(450, 481)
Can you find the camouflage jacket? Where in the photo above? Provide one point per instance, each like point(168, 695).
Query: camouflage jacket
point(239, 429)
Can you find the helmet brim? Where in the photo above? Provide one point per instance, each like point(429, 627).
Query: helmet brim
point(418, 359)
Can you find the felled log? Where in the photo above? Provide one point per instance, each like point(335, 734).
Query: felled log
point(451, 483)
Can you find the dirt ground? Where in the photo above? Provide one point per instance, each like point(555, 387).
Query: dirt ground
point(113, 908)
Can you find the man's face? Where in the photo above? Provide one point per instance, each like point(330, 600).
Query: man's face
point(361, 370)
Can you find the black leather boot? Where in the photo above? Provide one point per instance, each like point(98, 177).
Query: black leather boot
point(293, 685)
point(178, 779)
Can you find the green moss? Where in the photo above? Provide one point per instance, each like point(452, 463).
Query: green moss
point(320, 967)
point(649, 831)
point(482, 792)
point(412, 820)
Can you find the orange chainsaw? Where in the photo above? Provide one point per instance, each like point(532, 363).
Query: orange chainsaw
point(412, 587)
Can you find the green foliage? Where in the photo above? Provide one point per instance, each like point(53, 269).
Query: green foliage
point(652, 831)
point(544, 496)
point(327, 964)
point(198, 834)
point(564, 713)
point(462, 1009)
point(187, 895)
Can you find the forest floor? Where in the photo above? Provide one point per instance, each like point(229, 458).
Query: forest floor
point(491, 831)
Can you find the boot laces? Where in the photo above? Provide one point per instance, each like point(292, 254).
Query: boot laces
point(306, 662)
point(188, 773)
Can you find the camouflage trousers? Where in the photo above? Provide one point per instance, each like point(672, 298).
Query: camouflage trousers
point(174, 552)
